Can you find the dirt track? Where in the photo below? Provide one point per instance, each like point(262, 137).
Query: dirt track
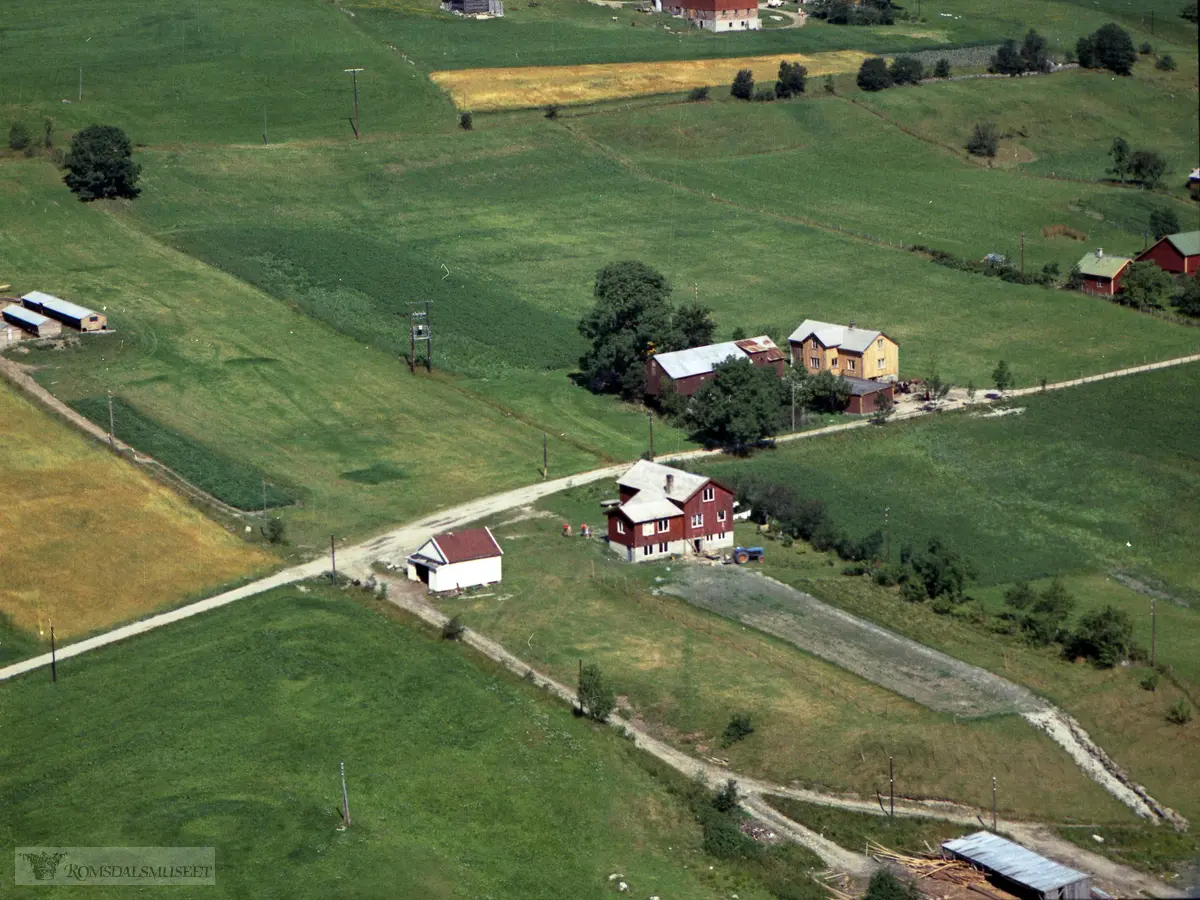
point(1121, 880)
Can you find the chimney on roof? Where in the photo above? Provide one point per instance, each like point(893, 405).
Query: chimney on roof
point(670, 482)
point(1099, 253)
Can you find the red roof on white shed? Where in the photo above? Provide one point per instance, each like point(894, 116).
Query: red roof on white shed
point(463, 546)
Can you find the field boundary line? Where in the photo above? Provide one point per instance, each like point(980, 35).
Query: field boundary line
point(15, 374)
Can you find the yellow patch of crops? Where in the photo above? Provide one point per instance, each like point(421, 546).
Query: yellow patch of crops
point(86, 540)
point(526, 86)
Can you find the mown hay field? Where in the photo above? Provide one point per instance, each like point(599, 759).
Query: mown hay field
point(88, 540)
point(524, 86)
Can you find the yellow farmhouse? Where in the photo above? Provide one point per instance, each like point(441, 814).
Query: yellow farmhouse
point(845, 350)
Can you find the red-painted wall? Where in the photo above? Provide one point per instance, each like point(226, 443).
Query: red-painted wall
point(868, 403)
point(1169, 259)
point(722, 501)
point(1101, 286)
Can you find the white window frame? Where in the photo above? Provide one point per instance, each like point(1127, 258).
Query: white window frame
point(620, 526)
point(648, 529)
point(709, 494)
point(720, 515)
point(833, 363)
point(816, 362)
point(879, 343)
point(647, 549)
point(698, 520)
point(664, 548)
point(664, 525)
point(882, 363)
point(850, 365)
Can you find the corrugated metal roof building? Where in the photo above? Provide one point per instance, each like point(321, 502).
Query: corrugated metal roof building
point(34, 323)
point(687, 370)
point(1020, 870)
point(65, 311)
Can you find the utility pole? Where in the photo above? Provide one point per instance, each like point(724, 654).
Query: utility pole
point(112, 441)
point(345, 799)
point(332, 560)
point(265, 141)
point(53, 656)
point(354, 75)
point(651, 414)
point(1153, 633)
point(891, 789)
point(81, 84)
point(545, 457)
point(887, 532)
point(993, 803)
point(419, 330)
point(428, 340)
point(264, 487)
point(1022, 253)
point(793, 406)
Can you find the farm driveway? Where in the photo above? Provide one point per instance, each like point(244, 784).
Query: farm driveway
point(882, 657)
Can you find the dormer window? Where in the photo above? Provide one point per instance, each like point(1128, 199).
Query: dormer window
point(708, 494)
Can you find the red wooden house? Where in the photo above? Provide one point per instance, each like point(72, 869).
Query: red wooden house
point(668, 512)
point(1102, 274)
point(1178, 254)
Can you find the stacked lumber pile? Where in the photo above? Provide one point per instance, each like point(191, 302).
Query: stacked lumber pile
point(944, 879)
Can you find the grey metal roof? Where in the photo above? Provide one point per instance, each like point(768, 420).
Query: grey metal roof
point(59, 305)
point(698, 360)
point(1012, 861)
point(644, 508)
point(856, 340)
point(862, 386)
point(27, 316)
point(651, 476)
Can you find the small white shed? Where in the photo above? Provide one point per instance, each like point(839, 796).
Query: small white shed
point(457, 559)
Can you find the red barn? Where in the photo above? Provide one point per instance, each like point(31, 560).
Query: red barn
point(1102, 274)
point(669, 512)
point(1178, 254)
point(688, 369)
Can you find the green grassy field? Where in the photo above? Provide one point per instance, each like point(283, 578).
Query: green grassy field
point(1008, 491)
point(1068, 121)
point(684, 672)
point(226, 479)
point(520, 269)
point(227, 731)
point(215, 360)
point(1069, 488)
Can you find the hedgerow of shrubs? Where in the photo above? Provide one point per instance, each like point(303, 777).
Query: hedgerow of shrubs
point(1003, 271)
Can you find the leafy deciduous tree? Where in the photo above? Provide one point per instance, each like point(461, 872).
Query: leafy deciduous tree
point(984, 140)
point(1147, 167)
point(1033, 53)
point(595, 696)
point(906, 70)
point(1163, 221)
point(100, 164)
point(941, 68)
point(1109, 47)
point(1120, 151)
point(1145, 286)
point(631, 315)
point(743, 85)
point(1007, 60)
point(873, 74)
point(1002, 377)
point(791, 81)
point(743, 403)
point(1105, 636)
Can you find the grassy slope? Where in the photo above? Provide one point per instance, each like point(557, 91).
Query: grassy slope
point(1015, 482)
point(1069, 120)
point(1056, 490)
point(463, 781)
point(685, 672)
point(205, 71)
point(212, 358)
point(520, 266)
point(88, 540)
point(849, 169)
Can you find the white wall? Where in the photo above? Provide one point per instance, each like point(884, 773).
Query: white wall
point(465, 574)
